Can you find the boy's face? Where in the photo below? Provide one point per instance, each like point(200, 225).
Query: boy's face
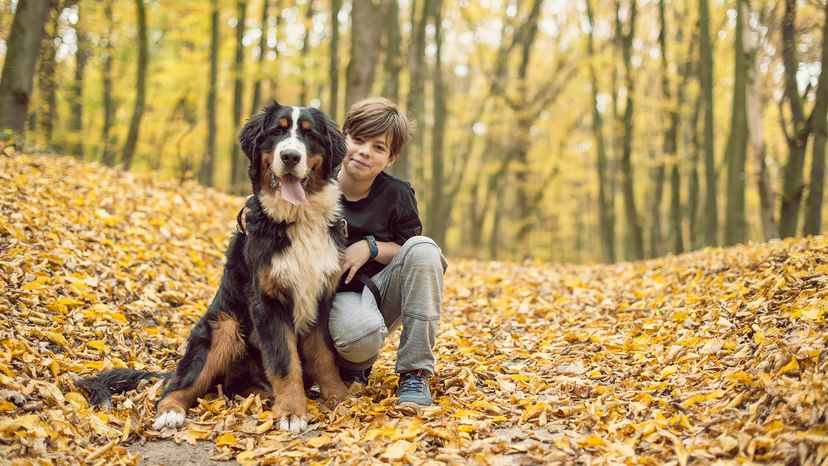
point(367, 156)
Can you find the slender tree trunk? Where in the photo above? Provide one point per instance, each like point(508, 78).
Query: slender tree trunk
point(22, 49)
point(238, 174)
point(47, 66)
point(671, 143)
point(711, 223)
point(437, 224)
point(735, 225)
point(798, 135)
point(754, 104)
point(631, 213)
point(415, 100)
point(256, 102)
point(81, 57)
point(303, 93)
point(365, 43)
point(333, 68)
point(693, 191)
point(141, 85)
point(108, 155)
point(209, 161)
point(393, 55)
point(606, 211)
point(813, 212)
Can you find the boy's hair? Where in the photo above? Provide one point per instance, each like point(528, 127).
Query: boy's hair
point(378, 115)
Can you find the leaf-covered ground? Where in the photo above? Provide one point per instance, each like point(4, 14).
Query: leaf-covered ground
point(714, 356)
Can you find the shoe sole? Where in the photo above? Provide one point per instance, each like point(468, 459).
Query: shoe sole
point(411, 404)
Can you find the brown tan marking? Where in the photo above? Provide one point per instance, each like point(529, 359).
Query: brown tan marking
point(321, 366)
point(272, 286)
point(288, 392)
point(283, 122)
point(226, 345)
point(315, 167)
point(306, 124)
point(265, 173)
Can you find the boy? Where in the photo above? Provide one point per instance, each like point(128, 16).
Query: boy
point(390, 274)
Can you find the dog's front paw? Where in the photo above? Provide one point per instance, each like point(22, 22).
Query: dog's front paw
point(293, 423)
point(171, 418)
point(335, 396)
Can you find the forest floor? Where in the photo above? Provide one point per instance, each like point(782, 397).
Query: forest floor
point(715, 356)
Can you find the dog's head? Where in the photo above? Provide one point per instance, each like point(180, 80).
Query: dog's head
point(292, 150)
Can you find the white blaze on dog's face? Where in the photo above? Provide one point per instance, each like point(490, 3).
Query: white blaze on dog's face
point(290, 160)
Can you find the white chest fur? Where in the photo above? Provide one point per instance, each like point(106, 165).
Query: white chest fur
point(310, 265)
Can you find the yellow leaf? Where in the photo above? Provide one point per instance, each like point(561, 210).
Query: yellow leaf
point(77, 400)
point(317, 442)
point(226, 439)
point(790, 366)
point(6, 405)
point(99, 345)
point(668, 371)
point(264, 427)
point(56, 338)
point(594, 441)
point(127, 429)
point(399, 449)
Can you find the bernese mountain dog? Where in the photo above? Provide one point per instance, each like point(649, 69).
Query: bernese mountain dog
point(266, 329)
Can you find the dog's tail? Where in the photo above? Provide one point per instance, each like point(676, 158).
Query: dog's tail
point(100, 388)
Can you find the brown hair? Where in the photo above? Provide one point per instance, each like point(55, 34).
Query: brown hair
point(378, 115)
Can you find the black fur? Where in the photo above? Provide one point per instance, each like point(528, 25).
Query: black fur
point(240, 296)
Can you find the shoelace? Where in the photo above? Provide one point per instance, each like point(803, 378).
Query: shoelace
point(411, 383)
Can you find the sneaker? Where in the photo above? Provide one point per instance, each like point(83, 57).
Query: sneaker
point(350, 376)
point(414, 390)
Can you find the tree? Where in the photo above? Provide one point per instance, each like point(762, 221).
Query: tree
point(606, 210)
point(635, 232)
point(333, 64)
point(256, 101)
point(711, 223)
point(107, 155)
point(414, 100)
point(797, 136)
point(736, 153)
point(238, 174)
point(18, 69)
point(140, 85)
point(365, 42)
point(437, 223)
point(208, 163)
point(819, 125)
point(81, 57)
point(393, 56)
point(303, 94)
point(47, 67)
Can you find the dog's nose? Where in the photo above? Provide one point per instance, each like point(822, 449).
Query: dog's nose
point(290, 158)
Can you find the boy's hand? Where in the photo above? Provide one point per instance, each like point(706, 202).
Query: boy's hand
point(356, 255)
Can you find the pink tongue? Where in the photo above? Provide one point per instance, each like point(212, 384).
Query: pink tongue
point(292, 191)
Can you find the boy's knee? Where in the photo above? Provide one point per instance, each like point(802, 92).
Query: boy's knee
point(423, 252)
point(363, 348)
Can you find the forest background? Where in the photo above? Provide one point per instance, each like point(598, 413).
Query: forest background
point(581, 131)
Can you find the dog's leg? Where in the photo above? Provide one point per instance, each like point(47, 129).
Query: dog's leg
point(209, 352)
point(320, 363)
point(272, 320)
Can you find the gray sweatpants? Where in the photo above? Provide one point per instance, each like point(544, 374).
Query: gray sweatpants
point(411, 286)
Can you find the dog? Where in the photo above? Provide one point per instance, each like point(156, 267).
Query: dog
point(266, 328)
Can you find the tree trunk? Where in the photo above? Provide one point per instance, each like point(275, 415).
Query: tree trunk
point(333, 68)
point(393, 56)
point(671, 143)
point(606, 210)
point(22, 49)
point(798, 135)
point(813, 212)
point(415, 99)
point(238, 174)
point(693, 191)
point(753, 101)
point(141, 85)
point(47, 66)
point(631, 213)
point(365, 41)
point(303, 93)
point(735, 225)
point(81, 57)
point(209, 161)
point(256, 102)
point(437, 224)
point(108, 155)
point(711, 223)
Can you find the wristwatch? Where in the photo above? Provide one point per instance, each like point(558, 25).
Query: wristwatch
point(372, 245)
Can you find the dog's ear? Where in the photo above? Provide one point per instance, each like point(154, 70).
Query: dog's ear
point(251, 134)
point(336, 143)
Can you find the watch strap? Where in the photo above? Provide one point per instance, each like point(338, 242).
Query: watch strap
point(372, 245)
